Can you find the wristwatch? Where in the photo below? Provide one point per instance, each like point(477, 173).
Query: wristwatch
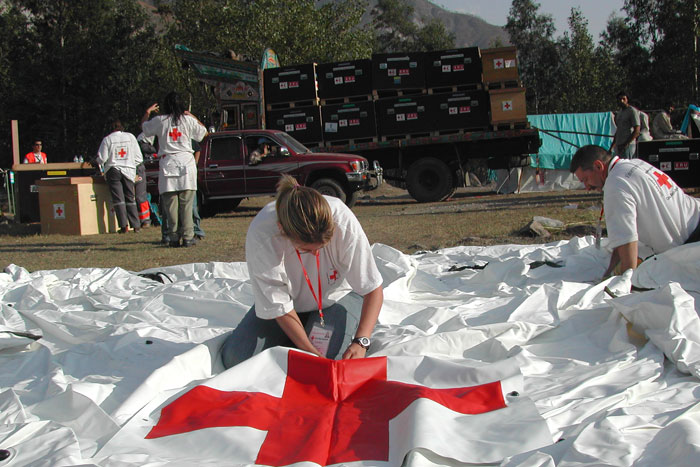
point(362, 341)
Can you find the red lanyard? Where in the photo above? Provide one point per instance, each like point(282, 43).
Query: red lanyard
point(319, 298)
point(602, 208)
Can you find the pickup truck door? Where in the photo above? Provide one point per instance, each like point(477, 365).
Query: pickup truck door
point(262, 178)
point(224, 167)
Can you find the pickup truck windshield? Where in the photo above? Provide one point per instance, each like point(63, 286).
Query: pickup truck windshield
point(293, 144)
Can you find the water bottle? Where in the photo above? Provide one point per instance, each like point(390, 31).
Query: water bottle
point(75, 159)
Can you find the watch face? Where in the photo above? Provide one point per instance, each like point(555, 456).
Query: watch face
point(363, 341)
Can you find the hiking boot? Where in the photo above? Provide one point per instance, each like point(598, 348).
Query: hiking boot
point(123, 230)
point(174, 244)
point(189, 243)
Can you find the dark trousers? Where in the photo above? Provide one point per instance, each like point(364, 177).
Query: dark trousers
point(123, 199)
point(253, 335)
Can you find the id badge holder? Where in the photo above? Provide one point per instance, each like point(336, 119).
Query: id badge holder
point(320, 337)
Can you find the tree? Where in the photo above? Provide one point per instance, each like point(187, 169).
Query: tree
point(580, 89)
point(300, 32)
point(538, 55)
point(395, 30)
point(77, 65)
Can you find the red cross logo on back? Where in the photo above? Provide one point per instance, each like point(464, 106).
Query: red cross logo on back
point(122, 153)
point(174, 134)
point(662, 179)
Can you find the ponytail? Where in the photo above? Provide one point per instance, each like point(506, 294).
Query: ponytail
point(303, 213)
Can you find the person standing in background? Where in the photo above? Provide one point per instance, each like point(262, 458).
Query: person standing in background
point(177, 177)
point(36, 156)
point(628, 126)
point(118, 156)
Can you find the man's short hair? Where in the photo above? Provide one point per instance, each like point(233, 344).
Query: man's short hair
point(586, 156)
point(622, 93)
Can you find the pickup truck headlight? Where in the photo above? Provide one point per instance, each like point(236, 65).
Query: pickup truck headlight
point(356, 166)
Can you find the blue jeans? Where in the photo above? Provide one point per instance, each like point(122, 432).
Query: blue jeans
point(253, 334)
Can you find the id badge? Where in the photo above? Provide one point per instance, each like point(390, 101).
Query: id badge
point(320, 337)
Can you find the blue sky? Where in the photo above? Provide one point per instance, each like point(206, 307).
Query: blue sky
point(495, 12)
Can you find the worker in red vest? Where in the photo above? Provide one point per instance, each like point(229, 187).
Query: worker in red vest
point(36, 156)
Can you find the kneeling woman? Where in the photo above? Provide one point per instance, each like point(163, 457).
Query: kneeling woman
point(305, 254)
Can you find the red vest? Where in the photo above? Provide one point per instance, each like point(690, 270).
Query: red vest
point(31, 159)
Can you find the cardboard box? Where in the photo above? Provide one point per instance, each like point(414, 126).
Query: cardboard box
point(290, 83)
point(678, 158)
point(499, 64)
point(459, 110)
point(348, 121)
point(508, 105)
point(453, 67)
point(398, 71)
point(75, 206)
point(303, 123)
point(344, 79)
point(403, 115)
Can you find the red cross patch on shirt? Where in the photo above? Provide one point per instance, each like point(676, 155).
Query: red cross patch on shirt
point(333, 276)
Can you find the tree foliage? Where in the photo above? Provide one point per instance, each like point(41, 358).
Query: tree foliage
point(395, 30)
point(539, 57)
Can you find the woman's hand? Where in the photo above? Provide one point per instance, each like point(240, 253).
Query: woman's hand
point(355, 351)
point(153, 108)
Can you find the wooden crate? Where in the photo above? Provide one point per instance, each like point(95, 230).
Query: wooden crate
point(499, 64)
point(508, 105)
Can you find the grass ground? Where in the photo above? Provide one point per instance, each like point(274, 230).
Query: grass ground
point(474, 216)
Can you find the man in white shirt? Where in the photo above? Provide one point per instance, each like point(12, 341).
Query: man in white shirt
point(118, 156)
point(641, 203)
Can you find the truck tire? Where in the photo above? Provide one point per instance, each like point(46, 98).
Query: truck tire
point(429, 179)
point(329, 187)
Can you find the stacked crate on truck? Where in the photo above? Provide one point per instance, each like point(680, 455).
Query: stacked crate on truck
point(347, 107)
point(500, 67)
point(291, 102)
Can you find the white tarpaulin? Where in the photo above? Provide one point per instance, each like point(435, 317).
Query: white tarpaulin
point(591, 374)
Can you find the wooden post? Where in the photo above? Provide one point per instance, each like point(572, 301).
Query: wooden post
point(15, 142)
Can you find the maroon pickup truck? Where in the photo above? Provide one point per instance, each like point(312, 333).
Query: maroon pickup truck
point(226, 174)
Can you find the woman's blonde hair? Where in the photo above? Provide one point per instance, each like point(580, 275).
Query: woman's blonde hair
point(303, 213)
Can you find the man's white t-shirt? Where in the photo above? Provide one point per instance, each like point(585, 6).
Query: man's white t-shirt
point(346, 263)
point(178, 170)
point(120, 150)
point(644, 204)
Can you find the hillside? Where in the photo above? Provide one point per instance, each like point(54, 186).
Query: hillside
point(469, 30)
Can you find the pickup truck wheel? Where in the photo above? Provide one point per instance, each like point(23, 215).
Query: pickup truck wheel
point(429, 179)
point(329, 187)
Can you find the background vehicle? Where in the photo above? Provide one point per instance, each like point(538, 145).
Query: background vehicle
point(226, 176)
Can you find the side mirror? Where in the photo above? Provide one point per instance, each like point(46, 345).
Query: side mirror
point(283, 151)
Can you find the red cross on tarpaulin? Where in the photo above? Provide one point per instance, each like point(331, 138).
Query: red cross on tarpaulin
point(174, 134)
point(122, 153)
point(330, 411)
point(662, 179)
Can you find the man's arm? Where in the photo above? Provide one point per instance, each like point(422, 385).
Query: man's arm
point(624, 255)
point(292, 327)
point(634, 135)
point(371, 305)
